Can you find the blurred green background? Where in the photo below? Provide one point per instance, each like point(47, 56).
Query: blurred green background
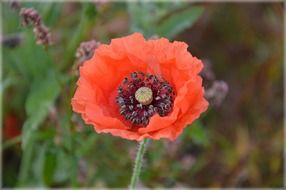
point(236, 144)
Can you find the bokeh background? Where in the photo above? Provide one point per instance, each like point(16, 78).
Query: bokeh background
point(238, 142)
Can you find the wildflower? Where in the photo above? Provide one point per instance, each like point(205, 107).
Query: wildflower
point(139, 89)
point(217, 92)
point(86, 50)
point(31, 17)
point(12, 41)
point(43, 35)
point(207, 72)
point(15, 5)
point(187, 162)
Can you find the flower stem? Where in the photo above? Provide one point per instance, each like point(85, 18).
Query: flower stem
point(138, 164)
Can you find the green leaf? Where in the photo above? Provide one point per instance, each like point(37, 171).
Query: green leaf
point(25, 165)
point(62, 171)
point(86, 23)
point(49, 167)
point(51, 13)
point(90, 10)
point(6, 83)
point(30, 125)
point(37, 164)
point(31, 62)
point(179, 22)
point(42, 95)
point(198, 134)
point(142, 17)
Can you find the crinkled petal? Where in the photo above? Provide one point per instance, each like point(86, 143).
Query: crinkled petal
point(100, 77)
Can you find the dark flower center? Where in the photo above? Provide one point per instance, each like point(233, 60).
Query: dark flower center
point(142, 95)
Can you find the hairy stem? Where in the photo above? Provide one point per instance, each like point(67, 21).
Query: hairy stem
point(138, 164)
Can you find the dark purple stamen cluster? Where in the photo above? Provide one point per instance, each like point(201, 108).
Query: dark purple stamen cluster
point(134, 111)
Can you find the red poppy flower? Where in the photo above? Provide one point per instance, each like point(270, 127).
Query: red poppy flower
point(139, 89)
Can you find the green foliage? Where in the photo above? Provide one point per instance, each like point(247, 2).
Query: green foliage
point(86, 22)
point(163, 19)
point(198, 133)
point(178, 22)
point(90, 11)
point(51, 13)
point(40, 98)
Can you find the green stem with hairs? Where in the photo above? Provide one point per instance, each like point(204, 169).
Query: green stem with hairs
point(138, 164)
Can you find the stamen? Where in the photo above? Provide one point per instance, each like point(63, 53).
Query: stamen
point(140, 96)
